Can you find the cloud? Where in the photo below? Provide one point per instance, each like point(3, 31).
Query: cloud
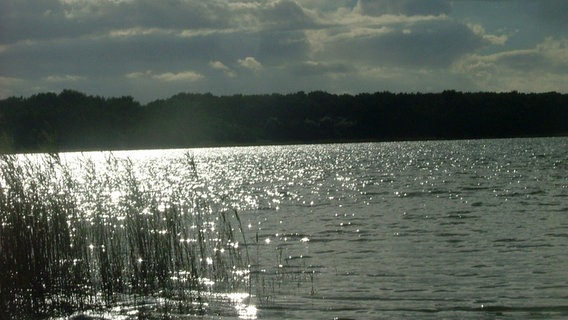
point(286, 15)
point(65, 78)
point(114, 37)
point(158, 14)
point(479, 30)
point(549, 56)
point(55, 19)
point(104, 46)
point(326, 6)
point(180, 76)
point(190, 76)
point(553, 12)
point(218, 65)
point(250, 63)
point(9, 81)
point(9, 85)
point(543, 68)
point(403, 7)
point(314, 68)
point(425, 43)
point(282, 46)
point(275, 32)
point(116, 56)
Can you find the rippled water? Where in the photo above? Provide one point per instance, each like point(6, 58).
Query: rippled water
point(405, 230)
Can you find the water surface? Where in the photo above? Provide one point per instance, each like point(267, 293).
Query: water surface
point(403, 230)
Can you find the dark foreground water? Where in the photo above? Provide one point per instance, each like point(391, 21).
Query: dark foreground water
point(409, 230)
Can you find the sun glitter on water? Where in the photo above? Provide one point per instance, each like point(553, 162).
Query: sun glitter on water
point(244, 310)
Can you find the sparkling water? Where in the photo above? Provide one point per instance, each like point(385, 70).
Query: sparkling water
point(400, 230)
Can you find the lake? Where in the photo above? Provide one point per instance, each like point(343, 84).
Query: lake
point(410, 230)
point(401, 230)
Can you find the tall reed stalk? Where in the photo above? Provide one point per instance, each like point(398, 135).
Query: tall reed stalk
point(81, 238)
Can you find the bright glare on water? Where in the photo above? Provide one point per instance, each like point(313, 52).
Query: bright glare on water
point(409, 230)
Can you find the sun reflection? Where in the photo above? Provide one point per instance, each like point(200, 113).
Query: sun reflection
point(244, 310)
point(248, 312)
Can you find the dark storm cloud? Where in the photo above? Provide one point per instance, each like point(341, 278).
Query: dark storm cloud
point(435, 43)
point(403, 7)
point(33, 20)
point(285, 15)
point(161, 51)
point(29, 19)
point(113, 55)
point(282, 46)
point(155, 48)
point(176, 14)
point(553, 12)
point(312, 68)
point(148, 31)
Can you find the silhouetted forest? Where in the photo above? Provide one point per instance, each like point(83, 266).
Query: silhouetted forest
point(72, 120)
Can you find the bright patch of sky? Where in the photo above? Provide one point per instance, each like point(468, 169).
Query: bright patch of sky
point(153, 49)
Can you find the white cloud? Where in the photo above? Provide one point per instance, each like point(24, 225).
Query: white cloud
point(479, 30)
point(139, 31)
point(556, 51)
point(218, 65)
point(318, 68)
point(180, 76)
point(65, 78)
point(167, 76)
point(250, 63)
point(139, 75)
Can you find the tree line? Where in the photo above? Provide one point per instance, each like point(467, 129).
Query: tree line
point(72, 120)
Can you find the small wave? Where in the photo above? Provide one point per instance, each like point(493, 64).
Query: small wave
point(531, 309)
point(470, 250)
point(508, 240)
point(557, 235)
point(497, 309)
point(450, 234)
point(385, 275)
point(459, 214)
point(535, 245)
point(452, 223)
point(86, 317)
point(474, 188)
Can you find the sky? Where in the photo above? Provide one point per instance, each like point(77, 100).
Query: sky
point(152, 49)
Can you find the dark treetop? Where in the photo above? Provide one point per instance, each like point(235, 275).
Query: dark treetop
point(72, 120)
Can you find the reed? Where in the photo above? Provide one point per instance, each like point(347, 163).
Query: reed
point(93, 236)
